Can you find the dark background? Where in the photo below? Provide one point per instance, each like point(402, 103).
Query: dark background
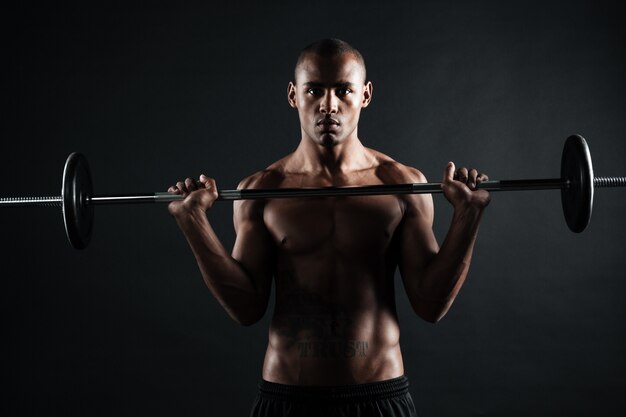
point(152, 95)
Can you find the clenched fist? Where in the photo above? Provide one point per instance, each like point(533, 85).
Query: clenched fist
point(199, 195)
point(459, 187)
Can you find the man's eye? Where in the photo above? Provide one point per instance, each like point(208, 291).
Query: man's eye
point(314, 91)
point(343, 91)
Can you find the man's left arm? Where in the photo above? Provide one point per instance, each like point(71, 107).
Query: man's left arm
point(433, 276)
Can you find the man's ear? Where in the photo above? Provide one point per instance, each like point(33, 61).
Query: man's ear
point(367, 94)
point(291, 95)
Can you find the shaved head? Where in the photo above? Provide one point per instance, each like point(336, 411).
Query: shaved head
point(330, 48)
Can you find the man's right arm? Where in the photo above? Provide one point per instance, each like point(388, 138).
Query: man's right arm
point(241, 282)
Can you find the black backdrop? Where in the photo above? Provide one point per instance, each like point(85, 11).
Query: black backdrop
point(152, 95)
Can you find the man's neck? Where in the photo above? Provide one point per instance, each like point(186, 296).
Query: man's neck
point(342, 158)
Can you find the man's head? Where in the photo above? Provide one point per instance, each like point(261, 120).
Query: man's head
point(329, 90)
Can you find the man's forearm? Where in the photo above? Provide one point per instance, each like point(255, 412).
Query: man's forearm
point(446, 271)
point(227, 280)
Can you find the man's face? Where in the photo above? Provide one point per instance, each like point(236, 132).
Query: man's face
point(329, 93)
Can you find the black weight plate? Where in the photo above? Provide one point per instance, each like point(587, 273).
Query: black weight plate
point(77, 215)
point(577, 199)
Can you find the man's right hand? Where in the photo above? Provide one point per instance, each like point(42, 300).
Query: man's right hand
point(199, 195)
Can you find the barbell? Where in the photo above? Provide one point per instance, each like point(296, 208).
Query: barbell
point(77, 201)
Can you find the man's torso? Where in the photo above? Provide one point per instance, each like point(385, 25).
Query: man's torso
point(335, 318)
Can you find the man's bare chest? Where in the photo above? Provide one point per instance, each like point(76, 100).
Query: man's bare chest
point(350, 226)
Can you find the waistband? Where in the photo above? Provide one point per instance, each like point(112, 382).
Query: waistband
point(370, 391)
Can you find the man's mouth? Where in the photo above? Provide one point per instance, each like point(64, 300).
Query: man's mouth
point(327, 122)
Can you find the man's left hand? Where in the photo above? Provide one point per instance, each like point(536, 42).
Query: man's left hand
point(459, 187)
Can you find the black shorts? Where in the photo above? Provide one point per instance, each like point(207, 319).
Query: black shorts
point(388, 398)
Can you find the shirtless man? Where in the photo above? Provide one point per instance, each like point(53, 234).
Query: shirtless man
point(334, 337)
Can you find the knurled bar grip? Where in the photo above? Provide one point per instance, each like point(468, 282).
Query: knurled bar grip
point(32, 201)
point(608, 182)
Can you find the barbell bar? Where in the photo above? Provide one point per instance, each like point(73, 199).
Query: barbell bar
point(577, 184)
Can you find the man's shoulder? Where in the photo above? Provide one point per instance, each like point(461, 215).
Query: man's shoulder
point(391, 171)
point(270, 177)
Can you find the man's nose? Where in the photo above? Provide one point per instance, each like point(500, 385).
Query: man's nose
point(329, 103)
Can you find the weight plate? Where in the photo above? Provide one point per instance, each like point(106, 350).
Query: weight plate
point(577, 198)
point(77, 215)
